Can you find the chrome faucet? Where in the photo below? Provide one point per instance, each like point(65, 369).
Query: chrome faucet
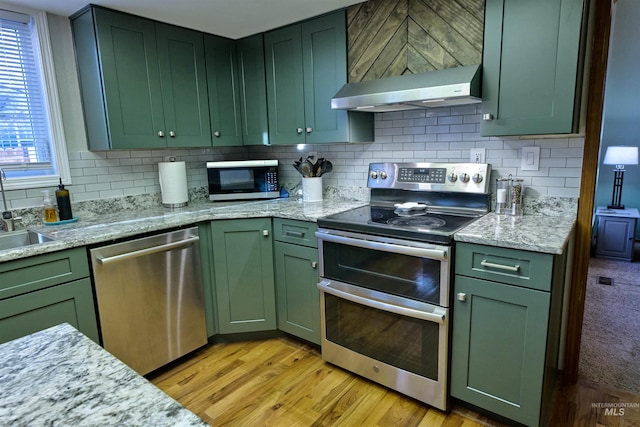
point(8, 220)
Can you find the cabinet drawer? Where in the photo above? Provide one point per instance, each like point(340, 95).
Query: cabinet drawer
point(522, 268)
point(42, 271)
point(297, 232)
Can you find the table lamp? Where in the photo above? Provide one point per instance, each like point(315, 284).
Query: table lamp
point(619, 156)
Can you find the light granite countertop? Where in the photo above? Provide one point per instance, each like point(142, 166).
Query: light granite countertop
point(97, 228)
point(60, 377)
point(537, 233)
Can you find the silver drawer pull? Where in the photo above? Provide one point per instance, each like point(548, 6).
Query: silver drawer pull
point(290, 233)
point(486, 263)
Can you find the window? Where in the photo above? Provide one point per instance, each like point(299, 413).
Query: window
point(32, 148)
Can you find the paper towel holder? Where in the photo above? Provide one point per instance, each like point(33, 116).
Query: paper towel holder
point(173, 183)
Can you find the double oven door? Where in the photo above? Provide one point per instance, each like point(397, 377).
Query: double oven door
point(384, 307)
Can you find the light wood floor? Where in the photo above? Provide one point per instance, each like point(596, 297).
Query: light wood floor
point(283, 382)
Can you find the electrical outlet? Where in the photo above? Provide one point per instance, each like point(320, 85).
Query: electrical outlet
point(477, 155)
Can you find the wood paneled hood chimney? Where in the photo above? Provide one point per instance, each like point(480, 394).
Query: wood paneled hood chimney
point(389, 38)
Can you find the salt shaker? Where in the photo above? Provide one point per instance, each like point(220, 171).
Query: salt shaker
point(502, 195)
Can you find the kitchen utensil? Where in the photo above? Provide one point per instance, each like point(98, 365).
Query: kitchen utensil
point(306, 169)
point(327, 166)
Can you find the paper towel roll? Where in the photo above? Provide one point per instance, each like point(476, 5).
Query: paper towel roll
point(173, 184)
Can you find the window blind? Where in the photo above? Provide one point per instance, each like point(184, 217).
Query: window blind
point(24, 131)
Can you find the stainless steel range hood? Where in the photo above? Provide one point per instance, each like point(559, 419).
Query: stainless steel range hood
point(451, 86)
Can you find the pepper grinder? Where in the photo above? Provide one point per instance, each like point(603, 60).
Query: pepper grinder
point(516, 196)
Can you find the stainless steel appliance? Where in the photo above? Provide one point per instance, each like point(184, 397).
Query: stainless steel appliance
point(385, 274)
point(150, 298)
point(242, 180)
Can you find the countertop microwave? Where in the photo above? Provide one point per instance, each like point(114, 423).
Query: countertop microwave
point(243, 180)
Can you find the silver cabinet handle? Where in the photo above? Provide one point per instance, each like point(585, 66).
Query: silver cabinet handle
point(487, 117)
point(265, 233)
point(148, 251)
point(172, 134)
point(461, 296)
point(314, 264)
point(309, 130)
point(486, 263)
point(299, 130)
point(290, 233)
point(216, 134)
point(161, 134)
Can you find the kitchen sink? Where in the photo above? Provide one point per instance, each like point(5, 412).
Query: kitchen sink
point(20, 238)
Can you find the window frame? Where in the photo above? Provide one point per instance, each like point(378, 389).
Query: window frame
point(46, 64)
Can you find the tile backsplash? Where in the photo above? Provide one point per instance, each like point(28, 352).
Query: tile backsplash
point(439, 134)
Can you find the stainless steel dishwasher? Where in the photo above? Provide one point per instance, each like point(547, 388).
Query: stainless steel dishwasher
point(150, 298)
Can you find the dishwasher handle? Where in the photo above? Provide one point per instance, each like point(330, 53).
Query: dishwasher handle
point(148, 251)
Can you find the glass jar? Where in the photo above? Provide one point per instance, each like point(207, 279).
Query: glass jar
point(516, 197)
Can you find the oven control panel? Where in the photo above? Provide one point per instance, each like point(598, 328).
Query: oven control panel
point(455, 177)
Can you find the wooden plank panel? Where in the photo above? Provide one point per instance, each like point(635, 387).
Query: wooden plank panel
point(440, 34)
point(379, 30)
point(440, 30)
point(416, 62)
point(387, 56)
point(466, 24)
point(429, 48)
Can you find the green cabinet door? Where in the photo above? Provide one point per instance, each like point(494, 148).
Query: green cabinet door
point(253, 90)
point(244, 278)
point(184, 87)
point(297, 295)
point(66, 303)
point(531, 62)
point(498, 347)
point(306, 64)
point(285, 87)
point(128, 59)
point(208, 280)
point(324, 58)
point(224, 96)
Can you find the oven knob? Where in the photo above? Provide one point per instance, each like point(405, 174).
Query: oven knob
point(383, 175)
point(453, 177)
point(464, 177)
point(374, 174)
point(477, 178)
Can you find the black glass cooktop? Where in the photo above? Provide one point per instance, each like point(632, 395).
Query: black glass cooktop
point(420, 225)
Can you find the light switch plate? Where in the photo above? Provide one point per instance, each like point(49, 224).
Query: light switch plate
point(530, 159)
point(477, 155)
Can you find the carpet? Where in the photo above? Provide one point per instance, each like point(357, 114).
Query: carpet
point(610, 346)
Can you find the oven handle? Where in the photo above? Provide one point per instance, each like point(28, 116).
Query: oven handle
point(434, 253)
point(325, 286)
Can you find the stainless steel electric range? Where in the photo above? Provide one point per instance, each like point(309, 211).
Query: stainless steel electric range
point(385, 274)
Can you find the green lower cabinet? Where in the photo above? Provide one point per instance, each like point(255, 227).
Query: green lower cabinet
point(297, 295)
point(243, 272)
point(208, 279)
point(498, 347)
point(66, 303)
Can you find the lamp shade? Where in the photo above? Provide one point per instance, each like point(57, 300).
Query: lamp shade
point(621, 155)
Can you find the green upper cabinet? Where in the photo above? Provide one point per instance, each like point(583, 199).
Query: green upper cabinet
point(223, 85)
point(306, 64)
point(253, 90)
point(531, 67)
point(143, 83)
